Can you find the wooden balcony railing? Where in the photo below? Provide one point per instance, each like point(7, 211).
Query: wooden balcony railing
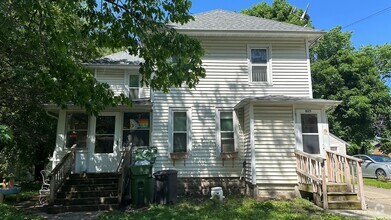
point(60, 173)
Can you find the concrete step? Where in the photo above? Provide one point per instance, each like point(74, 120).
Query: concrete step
point(84, 194)
point(337, 187)
point(341, 196)
point(86, 201)
point(81, 208)
point(348, 205)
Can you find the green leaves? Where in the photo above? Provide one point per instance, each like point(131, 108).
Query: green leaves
point(6, 135)
point(339, 72)
point(280, 10)
point(44, 45)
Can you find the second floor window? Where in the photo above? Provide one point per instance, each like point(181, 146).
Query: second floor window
point(259, 65)
point(134, 84)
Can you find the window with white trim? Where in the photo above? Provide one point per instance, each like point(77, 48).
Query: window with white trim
point(309, 127)
point(76, 128)
point(259, 71)
point(134, 86)
point(180, 130)
point(227, 134)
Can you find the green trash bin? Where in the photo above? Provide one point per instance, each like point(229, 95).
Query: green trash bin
point(142, 186)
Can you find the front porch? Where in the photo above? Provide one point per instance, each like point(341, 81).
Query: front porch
point(331, 182)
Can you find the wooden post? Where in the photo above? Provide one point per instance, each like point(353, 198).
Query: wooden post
point(360, 186)
point(347, 175)
point(1, 198)
point(324, 187)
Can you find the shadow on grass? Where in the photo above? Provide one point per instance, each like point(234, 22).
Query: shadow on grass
point(231, 208)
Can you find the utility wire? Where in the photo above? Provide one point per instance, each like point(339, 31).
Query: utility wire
point(369, 16)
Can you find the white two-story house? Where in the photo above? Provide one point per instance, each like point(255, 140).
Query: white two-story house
point(244, 120)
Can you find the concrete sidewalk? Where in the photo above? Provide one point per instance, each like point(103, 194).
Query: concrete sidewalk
point(378, 201)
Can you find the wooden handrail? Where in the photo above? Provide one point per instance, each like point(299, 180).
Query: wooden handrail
point(347, 156)
point(311, 170)
point(346, 169)
point(123, 171)
point(313, 157)
point(59, 174)
point(335, 168)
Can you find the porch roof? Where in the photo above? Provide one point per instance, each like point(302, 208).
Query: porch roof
point(137, 104)
point(281, 99)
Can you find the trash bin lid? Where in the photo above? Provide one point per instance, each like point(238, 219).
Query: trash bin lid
point(165, 172)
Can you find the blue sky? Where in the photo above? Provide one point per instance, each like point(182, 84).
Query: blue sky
point(326, 14)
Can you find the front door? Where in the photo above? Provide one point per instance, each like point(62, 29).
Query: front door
point(104, 151)
point(309, 136)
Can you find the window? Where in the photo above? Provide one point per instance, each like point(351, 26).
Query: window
point(104, 134)
point(180, 138)
point(134, 84)
point(259, 71)
point(76, 127)
point(309, 130)
point(226, 136)
point(334, 148)
point(136, 127)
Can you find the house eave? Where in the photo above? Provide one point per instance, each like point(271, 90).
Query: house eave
point(310, 35)
point(111, 66)
point(287, 100)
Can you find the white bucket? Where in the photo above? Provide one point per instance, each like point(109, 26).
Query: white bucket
point(217, 193)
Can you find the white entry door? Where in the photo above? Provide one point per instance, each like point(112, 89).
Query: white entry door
point(309, 137)
point(104, 152)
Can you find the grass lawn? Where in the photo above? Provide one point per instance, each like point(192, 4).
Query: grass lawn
point(232, 208)
point(9, 212)
point(377, 183)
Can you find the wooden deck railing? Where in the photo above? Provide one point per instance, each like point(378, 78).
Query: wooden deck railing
point(316, 172)
point(311, 172)
point(60, 173)
point(123, 171)
point(347, 170)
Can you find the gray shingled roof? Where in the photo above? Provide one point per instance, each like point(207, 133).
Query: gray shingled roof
point(215, 20)
point(122, 57)
point(221, 20)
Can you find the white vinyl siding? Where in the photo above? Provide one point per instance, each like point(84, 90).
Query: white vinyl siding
point(274, 139)
point(226, 84)
point(118, 80)
point(114, 77)
point(247, 143)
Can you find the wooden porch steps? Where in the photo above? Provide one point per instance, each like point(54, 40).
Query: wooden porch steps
point(340, 197)
point(87, 192)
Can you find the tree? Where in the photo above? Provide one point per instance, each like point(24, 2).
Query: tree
point(43, 45)
point(280, 10)
point(354, 76)
point(339, 72)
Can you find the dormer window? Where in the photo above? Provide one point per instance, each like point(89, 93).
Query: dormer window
point(259, 70)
